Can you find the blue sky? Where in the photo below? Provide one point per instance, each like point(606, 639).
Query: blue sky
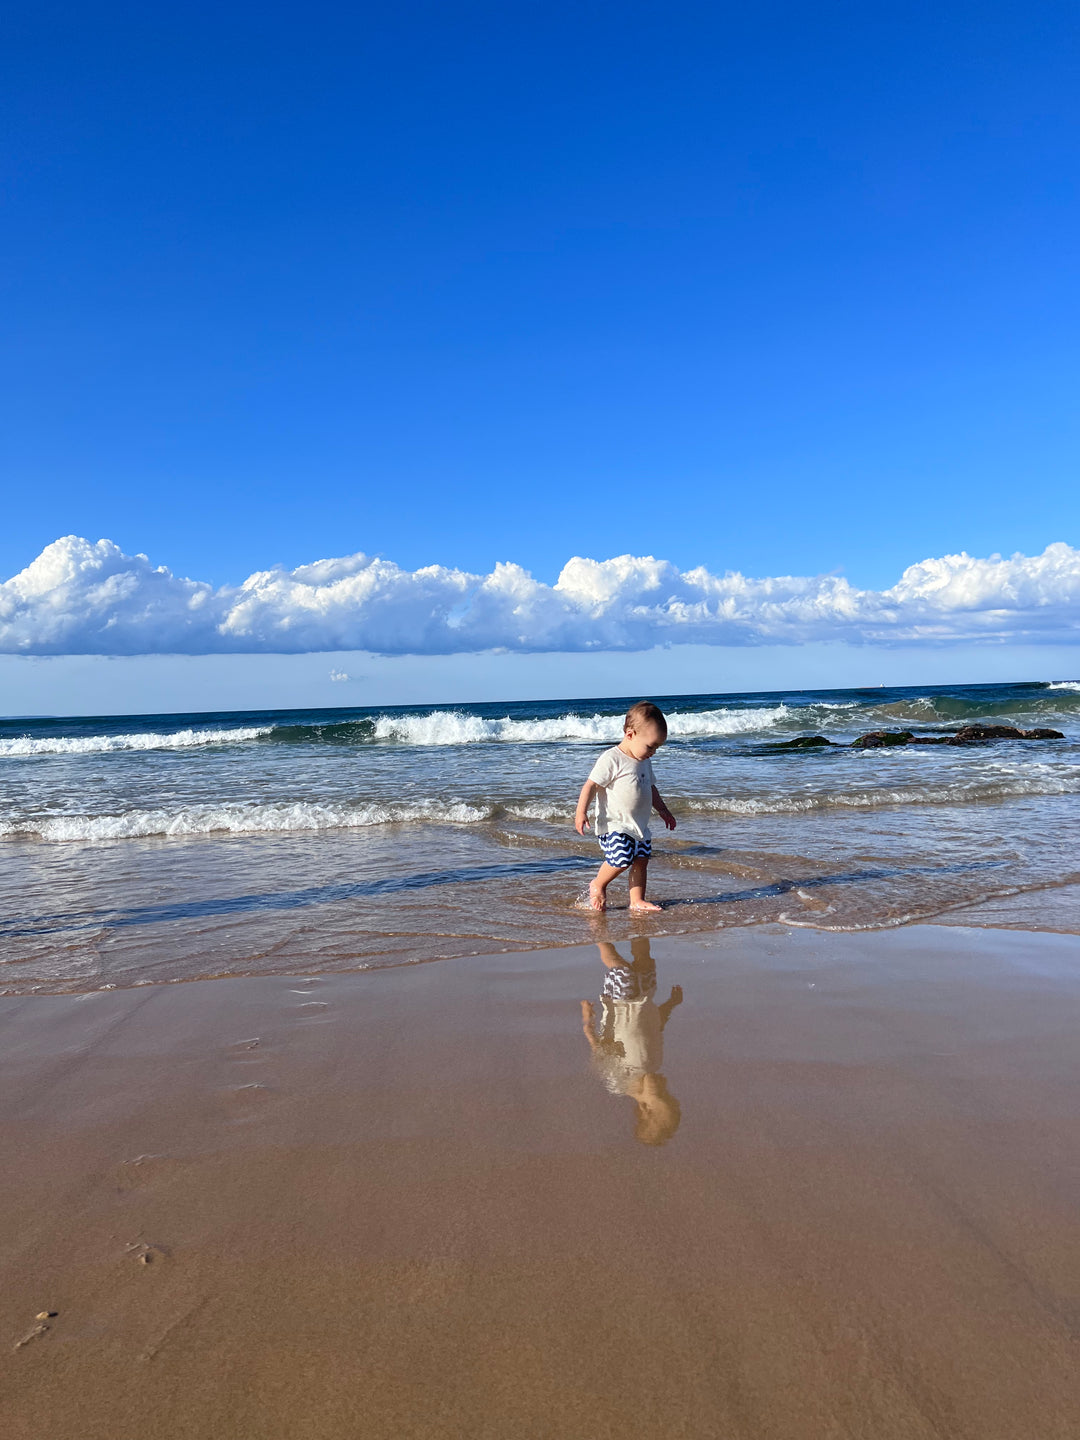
point(782, 288)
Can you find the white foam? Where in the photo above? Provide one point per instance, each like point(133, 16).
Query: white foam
point(541, 810)
point(1014, 788)
point(241, 820)
point(150, 740)
point(454, 727)
point(1073, 685)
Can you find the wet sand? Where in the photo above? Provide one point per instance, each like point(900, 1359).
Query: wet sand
point(403, 1203)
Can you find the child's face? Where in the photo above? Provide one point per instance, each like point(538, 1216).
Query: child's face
point(643, 744)
point(658, 1112)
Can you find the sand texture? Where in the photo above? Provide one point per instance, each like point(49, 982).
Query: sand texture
point(413, 1203)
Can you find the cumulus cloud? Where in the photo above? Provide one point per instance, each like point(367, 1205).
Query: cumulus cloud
point(82, 598)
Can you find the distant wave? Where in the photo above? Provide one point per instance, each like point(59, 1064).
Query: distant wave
point(460, 727)
point(931, 711)
point(150, 740)
point(455, 727)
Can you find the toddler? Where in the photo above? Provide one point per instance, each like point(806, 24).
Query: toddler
point(622, 780)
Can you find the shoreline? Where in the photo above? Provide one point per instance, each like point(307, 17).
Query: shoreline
point(1008, 914)
point(408, 1201)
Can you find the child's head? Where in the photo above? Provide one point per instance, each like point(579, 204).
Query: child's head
point(644, 730)
point(658, 1112)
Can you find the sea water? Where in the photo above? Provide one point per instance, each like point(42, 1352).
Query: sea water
point(141, 849)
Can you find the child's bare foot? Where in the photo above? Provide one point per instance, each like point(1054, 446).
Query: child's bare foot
point(597, 896)
point(645, 905)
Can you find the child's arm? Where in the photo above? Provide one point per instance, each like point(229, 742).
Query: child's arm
point(675, 998)
point(661, 809)
point(581, 819)
point(588, 1024)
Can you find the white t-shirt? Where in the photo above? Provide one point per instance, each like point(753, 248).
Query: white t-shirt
point(636, 1044)
point(624, 799)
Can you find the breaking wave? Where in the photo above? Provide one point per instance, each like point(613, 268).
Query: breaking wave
point(456, 727)
point(950, 711)
point(240, 820)
point(150, 740)
point(254, 818)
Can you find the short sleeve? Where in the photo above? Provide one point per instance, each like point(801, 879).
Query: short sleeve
point(650, 778)
point(603, 772)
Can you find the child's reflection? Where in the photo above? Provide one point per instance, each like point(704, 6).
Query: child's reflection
point(628, 1048)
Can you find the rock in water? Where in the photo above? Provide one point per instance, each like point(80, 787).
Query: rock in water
point(804, 742)
point(877, 738)
point(977, 734)
point(966, 735)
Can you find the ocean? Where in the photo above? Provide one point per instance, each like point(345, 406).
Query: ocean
point(149, 849)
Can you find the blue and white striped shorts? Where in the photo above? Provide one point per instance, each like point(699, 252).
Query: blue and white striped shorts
point(622, 850)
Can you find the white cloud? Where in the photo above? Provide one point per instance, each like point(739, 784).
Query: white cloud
point(340, 676)
point(79, 598)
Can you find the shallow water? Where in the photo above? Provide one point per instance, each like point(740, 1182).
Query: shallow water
point(158, 848)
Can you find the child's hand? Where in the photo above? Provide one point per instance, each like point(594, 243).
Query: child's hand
point(581, 823)
point(668, 818)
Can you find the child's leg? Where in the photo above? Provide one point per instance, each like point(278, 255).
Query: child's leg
point(598, 888)
point(639, 876)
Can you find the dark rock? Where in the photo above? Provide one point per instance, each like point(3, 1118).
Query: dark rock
point(804, 742)
point(877, 738)
point(972, 734)
point(978, 734)
point(966, 735)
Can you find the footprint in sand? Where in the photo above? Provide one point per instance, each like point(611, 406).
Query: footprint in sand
point(309, 1009)
point(246, 1099)
point(249, 1053)
point(144, 1171)
point(143, 1253)
point(164, 1337)
point(41, 1327)
point(817, 903)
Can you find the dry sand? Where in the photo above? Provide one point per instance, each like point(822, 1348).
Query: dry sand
point(402, 1204)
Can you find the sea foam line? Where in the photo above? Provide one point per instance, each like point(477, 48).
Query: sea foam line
point(871, 799)
point(299, 816)
point(149, 740)
point(238, 820)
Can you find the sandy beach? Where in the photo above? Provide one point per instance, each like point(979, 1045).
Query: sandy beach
point(406, 1203)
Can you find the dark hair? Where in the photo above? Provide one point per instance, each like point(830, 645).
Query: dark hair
point(644, 713)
